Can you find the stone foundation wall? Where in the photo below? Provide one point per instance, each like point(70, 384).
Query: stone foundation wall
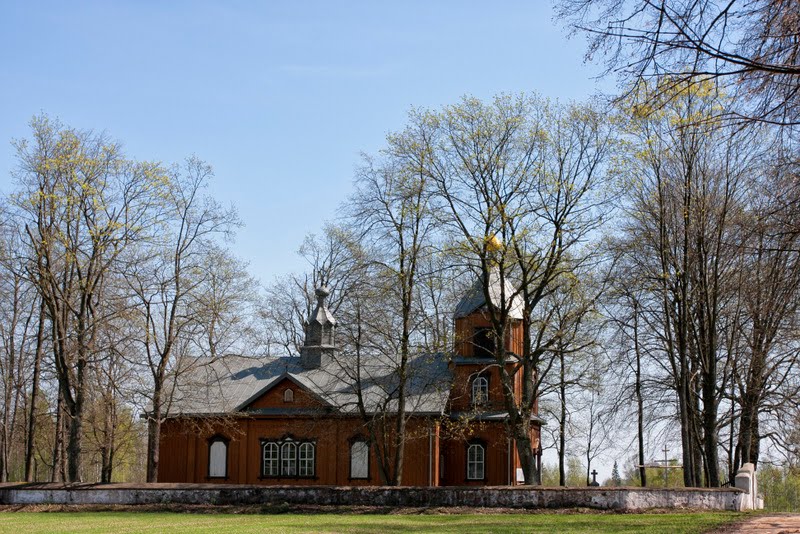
point(631, 499)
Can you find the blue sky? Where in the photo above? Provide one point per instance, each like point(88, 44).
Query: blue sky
point(279, 97)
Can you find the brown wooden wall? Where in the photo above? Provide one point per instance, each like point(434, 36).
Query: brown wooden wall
point(184, 450)
point(498, 469)
point(465, 328)
point(463, 375)
point(461, 392)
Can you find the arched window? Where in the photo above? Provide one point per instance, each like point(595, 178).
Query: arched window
point(359, 459)
point(288, 395)
point(476, 455)
point(271, 459)
point(289, 459)
point(480, 390)
point(306, 460)
point(218, 457)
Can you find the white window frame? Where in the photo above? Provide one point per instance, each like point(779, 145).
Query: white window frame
point(480, 391)
point(214, 469)
point(360, 447)
point(476, 461)
point(288, 395)
point(305, 459)
point(289, 459)
point(271, 462)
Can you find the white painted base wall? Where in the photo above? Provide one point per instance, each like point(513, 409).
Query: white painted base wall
point(623, 499)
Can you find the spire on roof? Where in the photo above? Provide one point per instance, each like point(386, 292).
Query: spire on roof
point(321, 314)
point(320, 342)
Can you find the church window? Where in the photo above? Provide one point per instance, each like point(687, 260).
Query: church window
point(271, 459)
point(480, 390)
point(476, 454)
point(218, 457)
point(288, 395)
point(306, 460)
point(288, 458)
point(483, 343)
point(359, 459)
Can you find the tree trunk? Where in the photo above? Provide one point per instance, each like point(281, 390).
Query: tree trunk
point(3, 457)
point(154, 436)
point(640, 420)
point(37, 364)
point(562, 426)
point(75, 442)
point(638, 394)
point(58, 438)
point(400, 428)
point(710, 441)
point(747, 442)
point(527, 457)
point(107, 447)
point(748, 439)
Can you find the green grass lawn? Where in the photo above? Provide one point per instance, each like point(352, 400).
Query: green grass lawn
point(119, 522)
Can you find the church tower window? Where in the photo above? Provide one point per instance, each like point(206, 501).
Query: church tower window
point(480, 391)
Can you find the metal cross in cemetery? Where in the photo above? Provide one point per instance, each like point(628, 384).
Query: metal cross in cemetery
point(665, 466)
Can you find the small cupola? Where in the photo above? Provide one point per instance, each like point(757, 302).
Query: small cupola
point(474, 300)
point(320, 329)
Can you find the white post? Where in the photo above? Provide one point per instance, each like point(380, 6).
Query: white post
point(746, 481)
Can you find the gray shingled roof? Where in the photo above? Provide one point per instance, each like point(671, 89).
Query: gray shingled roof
point(232, 383)
point(474, 299)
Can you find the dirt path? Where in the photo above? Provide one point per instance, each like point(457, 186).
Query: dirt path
point(769, 524)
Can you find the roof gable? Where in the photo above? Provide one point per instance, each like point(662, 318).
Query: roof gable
point(272, 395)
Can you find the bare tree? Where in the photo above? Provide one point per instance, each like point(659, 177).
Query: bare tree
point(224, 305)
point(333, 259)
point(391, 209)
point(573, 369)
point(166, 280)
point(749, 48)
point(624, 308)
point(516, 183)
point(19, 318)
point(767, 315)
point(688, 184)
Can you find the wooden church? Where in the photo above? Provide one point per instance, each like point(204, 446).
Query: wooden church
point(293, 420)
